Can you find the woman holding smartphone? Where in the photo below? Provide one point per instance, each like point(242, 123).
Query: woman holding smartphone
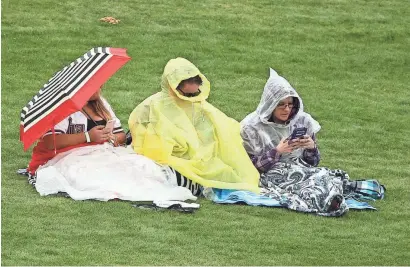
point(82, 128)
point(281, 141)
point(279, 130)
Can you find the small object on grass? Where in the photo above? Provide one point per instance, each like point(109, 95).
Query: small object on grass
point(168, 205)
point(110, 20)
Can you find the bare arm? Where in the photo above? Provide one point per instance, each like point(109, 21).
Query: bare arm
point(64, 140)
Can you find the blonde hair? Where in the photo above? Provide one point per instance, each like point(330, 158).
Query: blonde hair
point(99, 108)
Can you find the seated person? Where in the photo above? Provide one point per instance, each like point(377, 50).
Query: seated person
point(89, 170)
point(288, 166)
point(82, 128)
point(178, 127)
point(265, 131)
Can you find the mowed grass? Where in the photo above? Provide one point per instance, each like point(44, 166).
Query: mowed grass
point(349, 60)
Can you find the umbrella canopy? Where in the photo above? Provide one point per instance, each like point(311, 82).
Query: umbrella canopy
point(68, 91)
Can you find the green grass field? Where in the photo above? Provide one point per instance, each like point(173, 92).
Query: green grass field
point(349, 60)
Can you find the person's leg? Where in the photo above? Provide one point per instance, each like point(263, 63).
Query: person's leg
point(31, 178)
point(183, 181)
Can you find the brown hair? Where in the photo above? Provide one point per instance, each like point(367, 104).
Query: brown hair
point(99, 108)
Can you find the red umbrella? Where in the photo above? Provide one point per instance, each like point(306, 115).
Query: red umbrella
point(68, 91)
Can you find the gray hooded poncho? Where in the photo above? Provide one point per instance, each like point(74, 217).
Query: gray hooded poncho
point(260, 134)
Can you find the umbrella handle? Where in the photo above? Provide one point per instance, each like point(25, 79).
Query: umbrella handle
point(54, 140)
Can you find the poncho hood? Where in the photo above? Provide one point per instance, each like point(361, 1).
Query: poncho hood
point(177, 70)
point(260, 133)
point(276, 89)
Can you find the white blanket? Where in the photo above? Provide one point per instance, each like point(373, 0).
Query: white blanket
point(104, 172)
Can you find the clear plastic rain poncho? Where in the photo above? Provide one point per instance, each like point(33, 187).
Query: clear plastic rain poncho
point(190, 135)
point(261, 134)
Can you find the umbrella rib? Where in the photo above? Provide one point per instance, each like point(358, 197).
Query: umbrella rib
point(81, 74)
point(37, 113)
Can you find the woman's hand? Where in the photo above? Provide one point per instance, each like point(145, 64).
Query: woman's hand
point(117, 139)
point(285, 147)
point(98, 135)
point(113, 139)
point(305, 142)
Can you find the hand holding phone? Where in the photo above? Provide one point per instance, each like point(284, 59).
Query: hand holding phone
point(109, 127)
point(297, 133)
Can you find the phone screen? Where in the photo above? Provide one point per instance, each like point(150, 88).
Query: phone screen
point(298, 133)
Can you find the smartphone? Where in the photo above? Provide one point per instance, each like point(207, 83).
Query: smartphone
point(109, 127)
point(297, 133)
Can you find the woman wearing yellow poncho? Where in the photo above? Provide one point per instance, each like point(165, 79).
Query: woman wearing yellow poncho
point(190, 135)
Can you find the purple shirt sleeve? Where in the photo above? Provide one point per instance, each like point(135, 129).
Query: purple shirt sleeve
point(265, 161)
point(312, 156)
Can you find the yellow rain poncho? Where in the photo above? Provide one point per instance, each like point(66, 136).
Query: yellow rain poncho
point(190, 135)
